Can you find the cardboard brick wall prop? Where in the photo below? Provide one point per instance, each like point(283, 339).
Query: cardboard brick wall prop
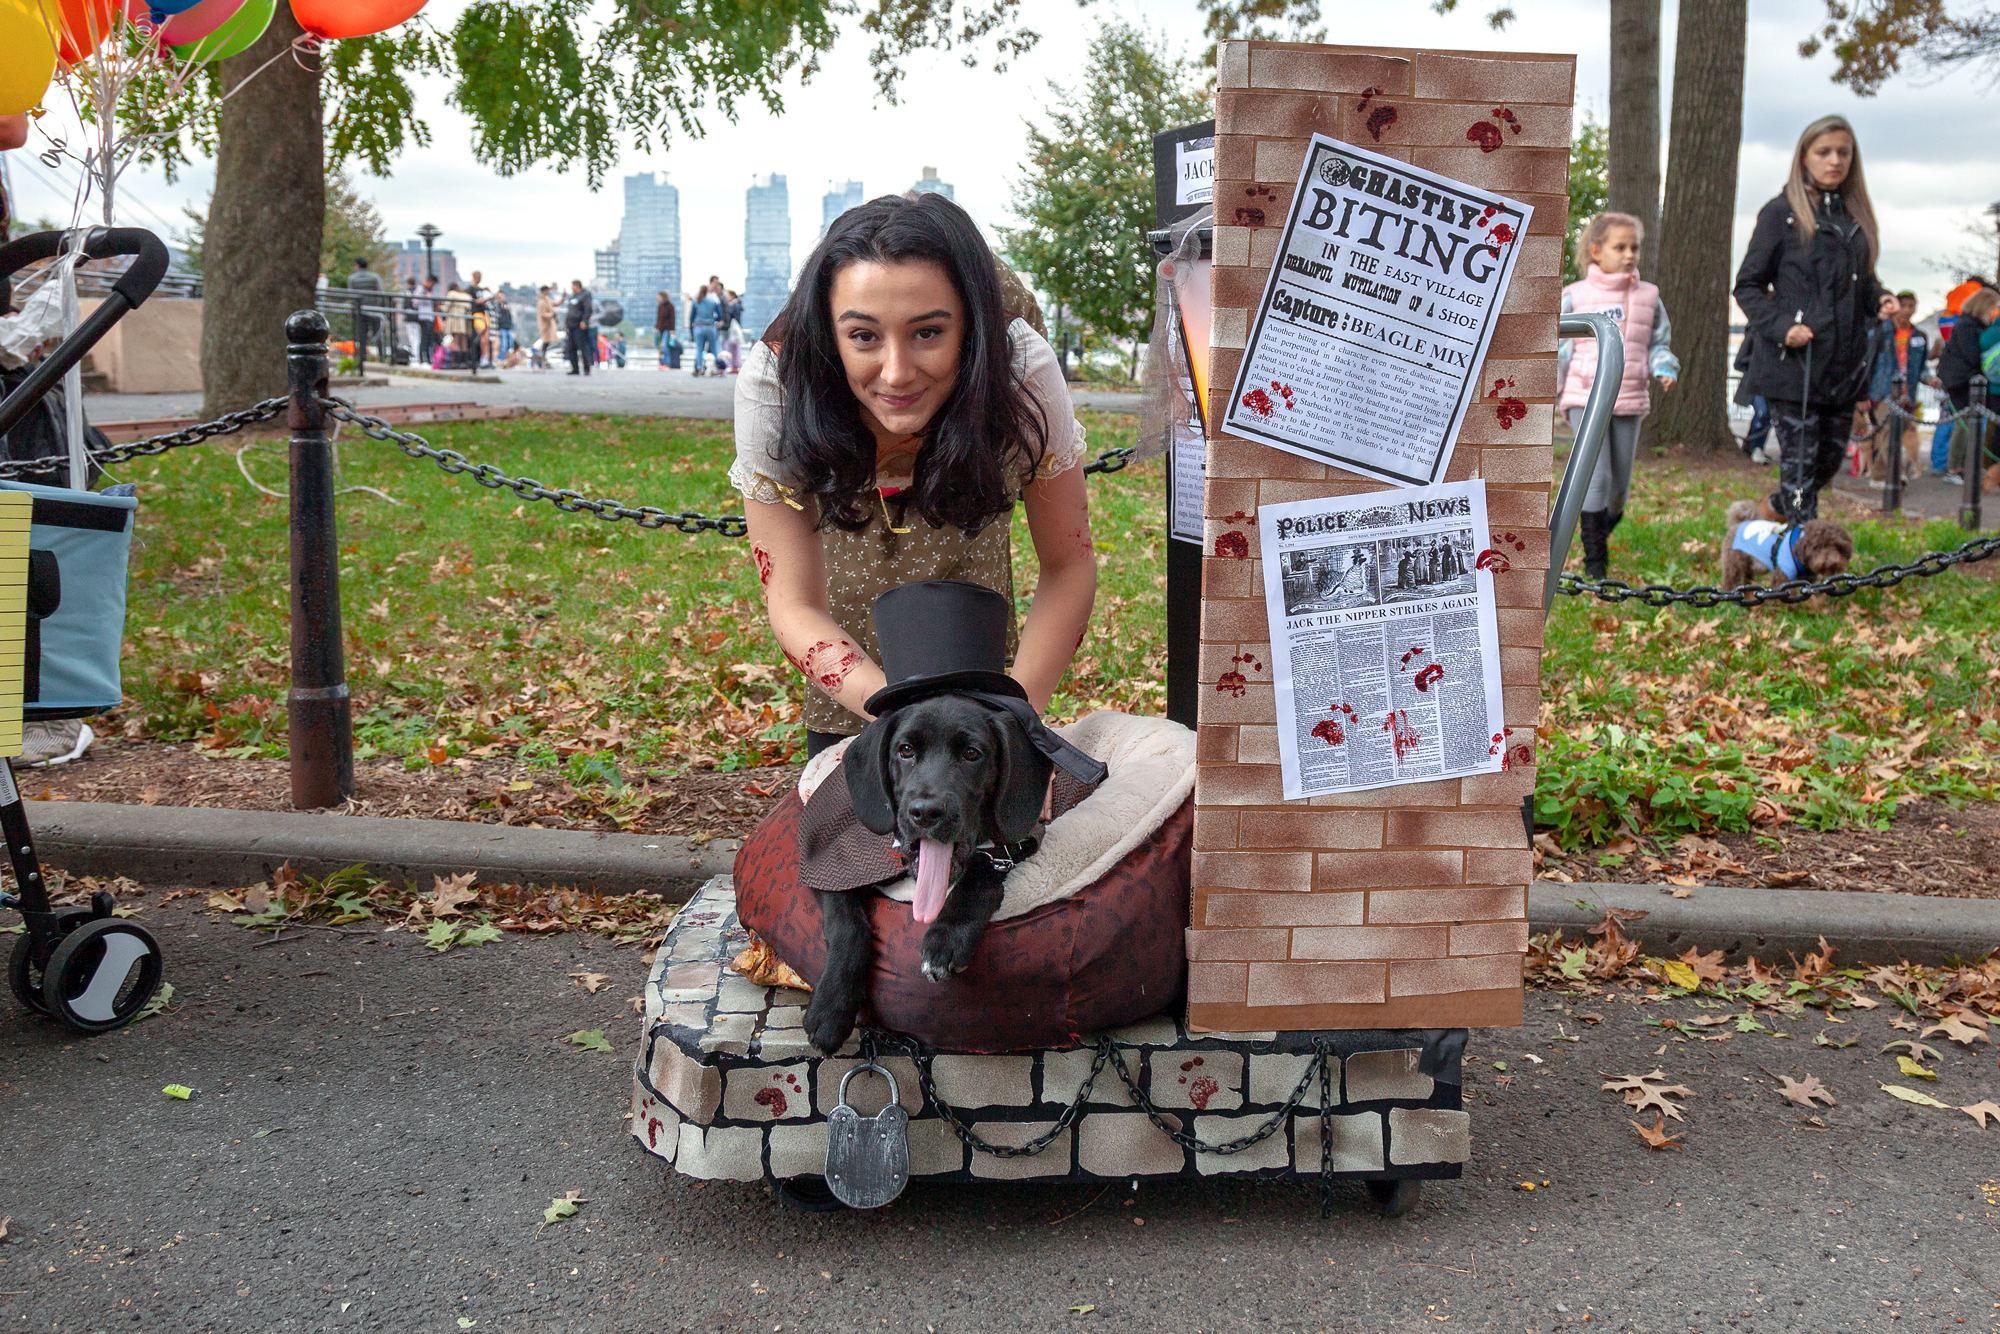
point(1399, 907)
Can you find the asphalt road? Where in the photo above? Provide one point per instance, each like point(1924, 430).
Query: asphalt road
point(377, 1129)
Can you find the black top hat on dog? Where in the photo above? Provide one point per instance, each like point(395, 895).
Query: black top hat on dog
point(941, 635)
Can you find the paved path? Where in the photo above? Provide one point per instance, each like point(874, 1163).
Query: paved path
point(377, 1130)
point(638, 390)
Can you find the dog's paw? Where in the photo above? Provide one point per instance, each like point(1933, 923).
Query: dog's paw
point(947, 951)
point(827, 1026)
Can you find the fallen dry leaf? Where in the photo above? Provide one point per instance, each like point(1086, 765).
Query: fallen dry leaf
point(1805, 1092)
point(591, 981)
point(1923, 1051)
point(1707, 967)
point(761, 964)
point(1657, 1137)
point(1911, 1095)
point(1905, 1023)
point(1981, 1112)
point(1964, 1027)
point(223, 901)
point(1644, 1091)
point(452, 893)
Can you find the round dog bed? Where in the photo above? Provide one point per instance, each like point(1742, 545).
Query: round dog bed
point(1090, 932)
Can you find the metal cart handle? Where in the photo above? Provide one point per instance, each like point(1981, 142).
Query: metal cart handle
point(128, 293)
point(1589, 437)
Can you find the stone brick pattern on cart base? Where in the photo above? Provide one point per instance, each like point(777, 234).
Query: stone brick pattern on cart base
point(726, 1087)
point(1403, 907)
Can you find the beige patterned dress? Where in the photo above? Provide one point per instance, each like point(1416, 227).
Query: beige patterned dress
point(895, 548)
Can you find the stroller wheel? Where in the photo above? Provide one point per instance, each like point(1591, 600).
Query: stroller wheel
point(102, 974)
point(24, 976)
point(1394, 1198)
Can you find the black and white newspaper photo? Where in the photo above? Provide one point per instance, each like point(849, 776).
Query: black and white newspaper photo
point(1385, 646)
point(1376, 316)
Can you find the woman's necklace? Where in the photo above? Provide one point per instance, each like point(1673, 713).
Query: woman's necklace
point(905, 465)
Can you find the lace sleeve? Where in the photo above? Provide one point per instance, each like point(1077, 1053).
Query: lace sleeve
point(757, 471)
point(1035, 365)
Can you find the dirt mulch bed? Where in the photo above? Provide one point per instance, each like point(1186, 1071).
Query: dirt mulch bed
point(1929, 848)
point(486, 791)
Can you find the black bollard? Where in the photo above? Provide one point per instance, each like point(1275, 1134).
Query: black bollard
point(1892, 493)
point(1973, 423)
point(321, 721)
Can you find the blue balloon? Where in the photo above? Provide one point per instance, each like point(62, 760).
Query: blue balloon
point(160, 9)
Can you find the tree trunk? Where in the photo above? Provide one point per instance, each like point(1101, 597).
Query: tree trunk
point(1635, 120)
point(1696, 263)
point(260, 250)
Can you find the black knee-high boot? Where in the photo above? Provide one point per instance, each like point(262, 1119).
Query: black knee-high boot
point(1595, 529)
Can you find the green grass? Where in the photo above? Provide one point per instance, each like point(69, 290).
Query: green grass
point(1680, 721)
point(478, 625)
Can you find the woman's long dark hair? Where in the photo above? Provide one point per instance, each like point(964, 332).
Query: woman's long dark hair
point(987, 438)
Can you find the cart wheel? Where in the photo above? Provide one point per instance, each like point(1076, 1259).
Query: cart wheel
point(24, 978)
point(102, 974)
point(1394, 1198)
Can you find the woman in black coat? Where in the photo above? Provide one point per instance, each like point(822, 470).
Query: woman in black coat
point(1809, 291)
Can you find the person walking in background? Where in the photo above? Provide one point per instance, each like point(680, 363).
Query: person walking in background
point(481, 297)
point(1807, 286)
point(427, 321)
point(1962, 359)
point(1753, 445)
point(503, 327)
point(365, 279)
point(545, 323)
point(576, 322)
point(1901, 349)
point(663, 330)
point(1611, 285)
point(731, 328)
point(702, 320)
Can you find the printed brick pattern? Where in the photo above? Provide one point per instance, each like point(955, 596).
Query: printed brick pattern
point(1412, 910)
point(1232, 1081)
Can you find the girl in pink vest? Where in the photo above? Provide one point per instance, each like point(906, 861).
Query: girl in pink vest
point(1612, 286)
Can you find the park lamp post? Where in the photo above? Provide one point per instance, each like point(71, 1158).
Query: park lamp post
point(430, 235)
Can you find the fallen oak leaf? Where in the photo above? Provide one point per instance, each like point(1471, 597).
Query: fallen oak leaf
point(590, 981)
point(1707, 967)
point(1922, 1051)
point(1650, 1091)
point(1805, 1092)
point(589, 1039)
point(564, 1206)
point(1964, 1027)
point(452, 893)
point(1978, 1111)
point(1657, 1137)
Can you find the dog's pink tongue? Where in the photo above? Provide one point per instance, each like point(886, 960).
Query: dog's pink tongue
point(933, 879)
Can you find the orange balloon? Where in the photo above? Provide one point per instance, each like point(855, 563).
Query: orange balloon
point(351, 18)
point(85, 23)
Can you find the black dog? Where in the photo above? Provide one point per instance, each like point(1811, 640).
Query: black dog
point(959, 776)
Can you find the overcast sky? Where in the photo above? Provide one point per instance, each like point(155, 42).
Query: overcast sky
point(1930, 170)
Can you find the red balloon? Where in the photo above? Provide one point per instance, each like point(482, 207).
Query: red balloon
point(85, 23)
point(352, 18)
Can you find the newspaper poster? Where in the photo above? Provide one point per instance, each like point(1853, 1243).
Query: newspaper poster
point(1385, 648)
point(1376, 316)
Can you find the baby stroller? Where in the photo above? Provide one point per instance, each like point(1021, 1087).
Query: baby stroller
point(77, 963)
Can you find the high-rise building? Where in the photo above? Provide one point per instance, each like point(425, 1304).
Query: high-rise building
point(606, 281)
point(649, 243)
point(931, 185)
point(767, 252)
point(410, 264)
point(837, 201)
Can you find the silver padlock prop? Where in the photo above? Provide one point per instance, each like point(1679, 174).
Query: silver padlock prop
point(868, 1157)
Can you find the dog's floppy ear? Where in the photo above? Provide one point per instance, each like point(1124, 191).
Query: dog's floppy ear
point(1021, 782)
point(865, 764)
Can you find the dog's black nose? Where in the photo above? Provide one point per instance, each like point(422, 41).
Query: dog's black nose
point(925, 813)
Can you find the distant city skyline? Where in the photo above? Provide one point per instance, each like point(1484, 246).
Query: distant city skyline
point(929, 184)
point(604, 268)
point(410, 264)
point(649, 257)
point(837, 201)
point(767, 252)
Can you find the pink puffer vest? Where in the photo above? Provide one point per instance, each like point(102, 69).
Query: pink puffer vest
point(1631, 301)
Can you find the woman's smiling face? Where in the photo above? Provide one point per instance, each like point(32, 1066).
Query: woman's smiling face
point(899, 326)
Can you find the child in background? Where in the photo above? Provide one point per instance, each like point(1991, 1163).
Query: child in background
point(1612, 286)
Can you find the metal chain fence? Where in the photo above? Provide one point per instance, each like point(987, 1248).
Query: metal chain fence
point(228, 424)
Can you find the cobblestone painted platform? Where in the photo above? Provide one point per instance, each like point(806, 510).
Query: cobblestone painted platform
point(726, 1086)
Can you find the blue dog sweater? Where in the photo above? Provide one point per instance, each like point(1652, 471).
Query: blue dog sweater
point(1771, 545)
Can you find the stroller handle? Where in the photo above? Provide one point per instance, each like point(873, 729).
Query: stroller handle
point(129, 292)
